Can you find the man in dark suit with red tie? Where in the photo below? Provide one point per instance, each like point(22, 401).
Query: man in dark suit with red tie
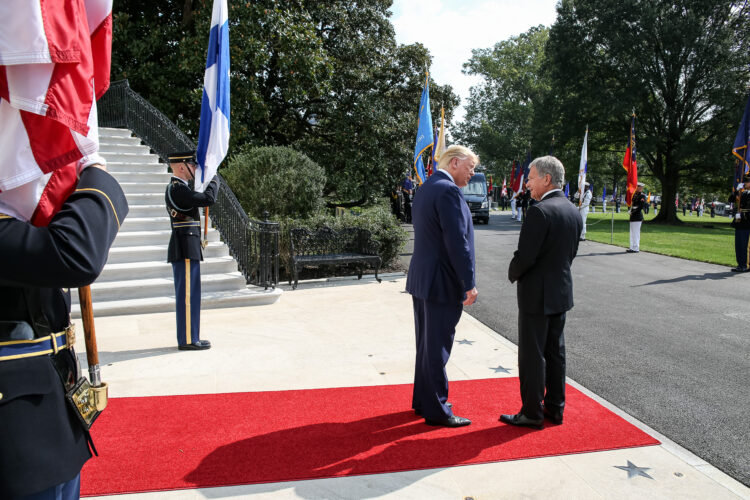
point(546, 247)
point(440, 279)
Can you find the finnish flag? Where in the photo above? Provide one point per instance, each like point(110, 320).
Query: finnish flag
point(213, 137)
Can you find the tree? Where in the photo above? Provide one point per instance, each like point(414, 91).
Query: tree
point(505, 114)
point(682, 66)
point(325, 78)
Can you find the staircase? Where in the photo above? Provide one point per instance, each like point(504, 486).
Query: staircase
point(137, 278)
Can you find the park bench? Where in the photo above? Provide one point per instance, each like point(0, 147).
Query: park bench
point(325, 246)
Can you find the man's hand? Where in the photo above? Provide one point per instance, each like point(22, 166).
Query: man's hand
point(471, 296)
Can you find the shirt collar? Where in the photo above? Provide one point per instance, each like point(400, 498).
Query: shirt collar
point(550, 192)
point(448, 174)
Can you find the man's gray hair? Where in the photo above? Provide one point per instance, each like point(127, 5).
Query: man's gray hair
point(552, 166)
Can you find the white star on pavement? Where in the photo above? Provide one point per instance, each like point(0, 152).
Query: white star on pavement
point(634, 470)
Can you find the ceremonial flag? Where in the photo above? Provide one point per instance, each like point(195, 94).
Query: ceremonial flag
point(54, 63)
point(526, 165)
point(648, 200)
point(614, 194)
point(518, 179)
point(504, 192)
point(630, 164)
point(741, 146)
point(512, 176)
point(213, 136)
point(424, 131)
point(604, 193)
point(567, 189)
point(489, 189)
point(583, 167)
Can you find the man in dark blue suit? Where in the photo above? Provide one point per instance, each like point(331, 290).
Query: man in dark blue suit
point(440, 279)
point(546, 247)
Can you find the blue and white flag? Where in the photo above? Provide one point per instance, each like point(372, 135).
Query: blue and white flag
point(604, 193)
point(213, 137)
point(583, 167)
point(424, 131)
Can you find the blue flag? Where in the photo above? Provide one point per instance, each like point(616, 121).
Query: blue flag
point(424, 131)
point(604, 193)
point(213, 136)
point(741, 146)
point(567, 189)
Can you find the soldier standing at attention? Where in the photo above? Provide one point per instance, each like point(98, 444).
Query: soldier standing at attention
point(185, 251)
point(43, 444)
point(741, 223)
point(637, 204)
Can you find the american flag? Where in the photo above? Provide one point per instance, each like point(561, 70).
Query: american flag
point(54, 63)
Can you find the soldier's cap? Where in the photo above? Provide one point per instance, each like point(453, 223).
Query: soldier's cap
point(182, 157)
point(641, 184)
point(586, 183)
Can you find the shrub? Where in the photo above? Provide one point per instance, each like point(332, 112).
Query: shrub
point(378, 220)
point(278, 179)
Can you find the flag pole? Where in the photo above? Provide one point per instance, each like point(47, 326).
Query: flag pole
point(205, 227)
point(99, 388)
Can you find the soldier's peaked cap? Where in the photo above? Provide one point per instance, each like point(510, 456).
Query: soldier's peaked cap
point(182, 156)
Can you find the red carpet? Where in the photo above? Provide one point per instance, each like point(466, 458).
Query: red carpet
point(177, 442)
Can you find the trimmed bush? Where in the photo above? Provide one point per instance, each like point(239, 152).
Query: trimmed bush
point(378, 220)
point(280, 180)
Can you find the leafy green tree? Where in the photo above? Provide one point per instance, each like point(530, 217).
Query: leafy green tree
point(681, 65)
point(505, 115)
point(326, 78)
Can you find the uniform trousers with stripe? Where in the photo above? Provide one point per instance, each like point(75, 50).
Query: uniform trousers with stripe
point(635, 235)
point(742, 247)
point(434, 327)
point(187, 289)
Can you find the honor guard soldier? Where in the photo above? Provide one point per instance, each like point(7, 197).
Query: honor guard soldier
point(185, 249)
point(741, 223)
point(43, 444)
point(637, 204)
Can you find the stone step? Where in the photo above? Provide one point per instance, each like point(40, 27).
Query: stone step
point(115, 167)
point(131, 157)
point(146, 253)
point(162, 269)
point(143, 187)
point(250, 296)
point(136, 211)
point(106, 291)
point(126, 141)
point(146, 223)
point(109, 149)
point(114, 132)
point(146, 238)
point(161, 178)
point(147, 198)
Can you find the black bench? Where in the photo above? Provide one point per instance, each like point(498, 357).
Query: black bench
point(325, 246)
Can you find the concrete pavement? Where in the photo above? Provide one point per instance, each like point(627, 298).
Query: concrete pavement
point(348, 333)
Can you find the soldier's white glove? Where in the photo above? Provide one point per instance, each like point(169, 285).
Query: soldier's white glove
point(737, 215)
point(740, 185)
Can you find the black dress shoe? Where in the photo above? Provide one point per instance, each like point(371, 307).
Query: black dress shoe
point(555, 416)
point(739, 269)
point(522, 420)
point(453, 421)
point(200, 345)
point(419, 412)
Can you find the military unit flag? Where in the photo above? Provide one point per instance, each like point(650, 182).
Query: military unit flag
point(424, 131)
point(741, 146)
point(630, 164)
point(583, 167)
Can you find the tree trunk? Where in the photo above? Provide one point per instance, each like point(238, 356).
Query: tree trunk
point(668, 211)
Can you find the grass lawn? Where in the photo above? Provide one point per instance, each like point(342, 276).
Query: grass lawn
point(701, 238)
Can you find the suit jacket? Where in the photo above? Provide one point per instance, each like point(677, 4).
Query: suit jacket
point(43, 444)
point(182, 206)
point(546, 248)
point(442, 265)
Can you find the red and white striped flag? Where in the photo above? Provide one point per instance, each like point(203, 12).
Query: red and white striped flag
point(54, 63)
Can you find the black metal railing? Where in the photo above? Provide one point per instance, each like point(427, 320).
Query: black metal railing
point(254, 244)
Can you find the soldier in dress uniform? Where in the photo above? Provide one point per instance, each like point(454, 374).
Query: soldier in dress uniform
point(43, 445)
point(741, 223)
point(185, 251)
point(637, 204)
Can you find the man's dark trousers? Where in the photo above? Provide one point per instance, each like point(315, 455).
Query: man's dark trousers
point(187, 289)
point(540, 338)
point(742, 247)
point(435, 328)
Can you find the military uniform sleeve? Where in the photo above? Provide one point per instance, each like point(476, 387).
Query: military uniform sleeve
point(72, 250)
point(186, 199)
